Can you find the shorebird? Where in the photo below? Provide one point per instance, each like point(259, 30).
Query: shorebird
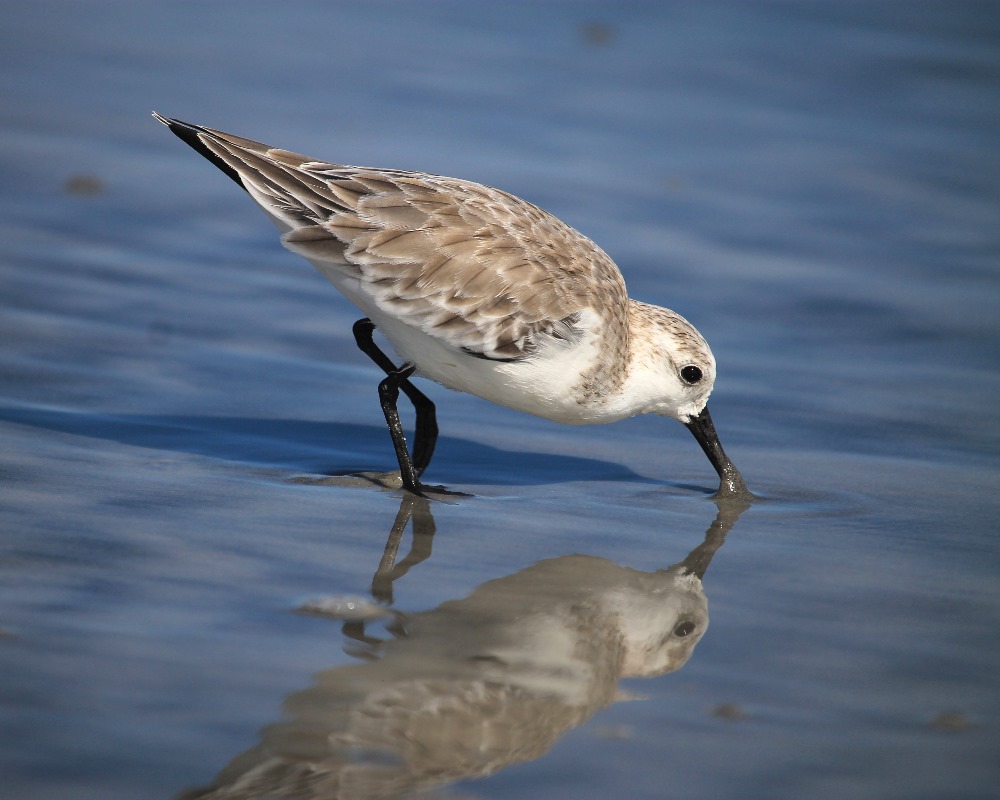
point(480, 291)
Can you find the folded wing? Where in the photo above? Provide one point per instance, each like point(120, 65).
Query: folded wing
point(470, 265)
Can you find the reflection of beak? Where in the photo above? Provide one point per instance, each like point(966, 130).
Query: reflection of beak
point(730, 481)
point(698, 559)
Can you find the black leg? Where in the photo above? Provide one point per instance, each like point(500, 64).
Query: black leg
point(388, 394)
point(425, 436)
point(426, 433)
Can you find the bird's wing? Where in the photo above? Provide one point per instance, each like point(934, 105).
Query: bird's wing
point(470, 265)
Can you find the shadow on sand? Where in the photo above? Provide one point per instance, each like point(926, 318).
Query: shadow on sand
point(324, 448)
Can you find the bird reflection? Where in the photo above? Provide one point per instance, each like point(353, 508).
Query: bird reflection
point(476, 684)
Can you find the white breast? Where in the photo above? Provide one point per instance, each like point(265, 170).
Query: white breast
point(541, 385)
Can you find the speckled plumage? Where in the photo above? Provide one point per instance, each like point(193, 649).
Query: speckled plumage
point(479, 290)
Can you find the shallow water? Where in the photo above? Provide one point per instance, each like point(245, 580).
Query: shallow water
point(815, 186)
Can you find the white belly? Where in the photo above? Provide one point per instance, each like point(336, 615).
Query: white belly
point(542, 385)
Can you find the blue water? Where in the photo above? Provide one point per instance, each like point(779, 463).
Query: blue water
point(816, 186)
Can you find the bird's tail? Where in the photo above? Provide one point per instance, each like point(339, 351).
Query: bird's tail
point(292, 196)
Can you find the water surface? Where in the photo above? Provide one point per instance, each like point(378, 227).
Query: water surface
point(815, 186)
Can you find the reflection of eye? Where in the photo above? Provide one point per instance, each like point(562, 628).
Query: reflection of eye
point(684, 629)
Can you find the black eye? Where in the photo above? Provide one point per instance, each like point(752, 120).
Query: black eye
point(684, 629)
point(690, 374)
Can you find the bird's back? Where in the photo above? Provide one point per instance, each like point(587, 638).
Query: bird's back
point(476, 268)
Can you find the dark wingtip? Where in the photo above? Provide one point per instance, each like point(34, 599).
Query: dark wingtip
point(191, 135)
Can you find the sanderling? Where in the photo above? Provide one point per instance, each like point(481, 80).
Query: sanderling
point(479, 291)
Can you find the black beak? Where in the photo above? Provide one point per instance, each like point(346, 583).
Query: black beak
point(731, 483)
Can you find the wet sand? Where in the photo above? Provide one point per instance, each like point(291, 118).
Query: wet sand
point(813, 187)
